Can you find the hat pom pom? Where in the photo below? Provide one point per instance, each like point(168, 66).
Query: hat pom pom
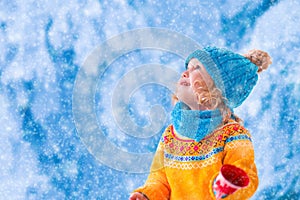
point(260, 58)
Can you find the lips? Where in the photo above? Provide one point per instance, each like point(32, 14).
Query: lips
point(184, 82)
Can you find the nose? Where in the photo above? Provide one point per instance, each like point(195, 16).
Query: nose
point(185, 74)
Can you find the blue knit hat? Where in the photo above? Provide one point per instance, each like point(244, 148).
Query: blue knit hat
point(232, 73)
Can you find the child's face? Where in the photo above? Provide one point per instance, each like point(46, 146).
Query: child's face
point(194, 79)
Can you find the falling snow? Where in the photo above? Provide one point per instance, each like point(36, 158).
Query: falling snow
point(44, 45)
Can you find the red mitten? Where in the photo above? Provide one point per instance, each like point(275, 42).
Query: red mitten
point(230, 179)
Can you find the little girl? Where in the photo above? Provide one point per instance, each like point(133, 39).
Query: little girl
point(205, 134)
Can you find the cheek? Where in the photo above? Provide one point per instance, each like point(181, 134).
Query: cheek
point(201, 80)
point(197, 80)
point(199, 86)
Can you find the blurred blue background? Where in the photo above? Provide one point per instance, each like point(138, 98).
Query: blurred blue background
point(44, 43)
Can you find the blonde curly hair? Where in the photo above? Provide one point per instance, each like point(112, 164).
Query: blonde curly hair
point(212, 98)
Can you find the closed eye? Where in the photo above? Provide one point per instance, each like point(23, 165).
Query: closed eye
point(197, 67)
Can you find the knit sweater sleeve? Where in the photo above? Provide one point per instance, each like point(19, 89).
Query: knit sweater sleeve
point(239, 152)
point(156, 186)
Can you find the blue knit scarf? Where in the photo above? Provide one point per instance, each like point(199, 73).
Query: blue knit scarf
point(194, 124)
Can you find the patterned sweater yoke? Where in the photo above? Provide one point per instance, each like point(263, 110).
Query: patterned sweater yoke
point(183, 153)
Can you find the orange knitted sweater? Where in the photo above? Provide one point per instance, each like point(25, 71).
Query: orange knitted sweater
point(184, 169)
